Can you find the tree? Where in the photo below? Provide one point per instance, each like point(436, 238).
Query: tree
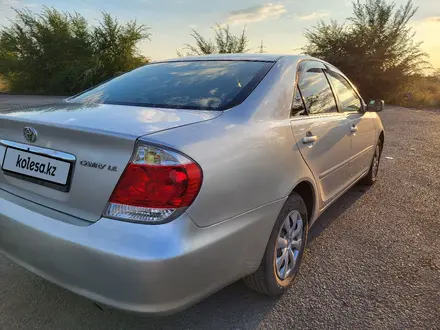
point(262, 48)
point(375, 47)
point(59, 53)
point(225, 42)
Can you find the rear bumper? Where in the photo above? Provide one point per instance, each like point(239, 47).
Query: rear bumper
point(142, 268)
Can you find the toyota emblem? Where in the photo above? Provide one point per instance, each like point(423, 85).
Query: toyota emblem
point(30, 134)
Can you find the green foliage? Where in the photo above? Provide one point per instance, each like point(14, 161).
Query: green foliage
point(375, 47)
point(225, 42)
point(3, 86)
point(59, 53)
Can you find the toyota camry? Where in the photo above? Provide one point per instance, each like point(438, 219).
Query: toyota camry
point(163, 185)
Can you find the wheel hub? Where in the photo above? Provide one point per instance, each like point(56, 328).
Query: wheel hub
point(289, 244)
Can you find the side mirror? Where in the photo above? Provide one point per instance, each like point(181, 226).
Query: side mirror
point(376, 105)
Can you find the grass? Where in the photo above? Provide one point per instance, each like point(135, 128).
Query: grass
point(424, 93)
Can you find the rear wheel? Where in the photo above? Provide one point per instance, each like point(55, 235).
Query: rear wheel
point(371, 176)
point(284, 250)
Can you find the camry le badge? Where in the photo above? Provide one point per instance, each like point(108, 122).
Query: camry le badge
point(30, 134)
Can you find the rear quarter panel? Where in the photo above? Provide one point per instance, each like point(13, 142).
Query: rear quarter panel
point(248, 154)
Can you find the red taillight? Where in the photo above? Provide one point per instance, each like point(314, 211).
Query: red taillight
point(155, 184)
point(158, 186)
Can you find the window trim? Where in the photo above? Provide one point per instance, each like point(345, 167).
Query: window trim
point(296, 88)
point(335, 95)
point(362, 109)
point(315, 65)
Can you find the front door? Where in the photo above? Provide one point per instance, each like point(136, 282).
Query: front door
point(361, 124)
point(322, 133)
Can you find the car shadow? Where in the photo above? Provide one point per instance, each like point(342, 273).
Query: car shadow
point(336, 210)
point(235, 304)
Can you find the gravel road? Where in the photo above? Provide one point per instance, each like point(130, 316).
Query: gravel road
point(373, 260)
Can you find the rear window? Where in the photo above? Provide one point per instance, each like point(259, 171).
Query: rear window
point(204, 85)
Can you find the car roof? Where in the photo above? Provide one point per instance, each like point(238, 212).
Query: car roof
point(250, 57)
point(236, 57)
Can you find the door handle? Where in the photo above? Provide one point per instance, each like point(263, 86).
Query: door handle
point(353, 128)
point(309, 139)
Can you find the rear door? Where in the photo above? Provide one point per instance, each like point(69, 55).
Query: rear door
point(321, 132)
point(361, 124)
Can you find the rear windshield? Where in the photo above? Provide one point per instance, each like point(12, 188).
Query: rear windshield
point(204, 85)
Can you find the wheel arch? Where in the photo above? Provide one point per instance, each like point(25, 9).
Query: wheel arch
point(382, 139)
point(307, 190)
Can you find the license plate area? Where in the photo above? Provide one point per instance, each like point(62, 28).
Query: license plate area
point(45, 167)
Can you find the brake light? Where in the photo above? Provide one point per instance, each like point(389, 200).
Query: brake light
point(156, 185)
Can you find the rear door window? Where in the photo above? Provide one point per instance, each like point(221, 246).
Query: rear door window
point(316, 92)
point(298, 108)
point(204, 85)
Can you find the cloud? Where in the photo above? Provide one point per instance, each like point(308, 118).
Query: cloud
point(9, 2)
point(433, 19)
point(17, 4)
point(256, 14)
point(311, 16)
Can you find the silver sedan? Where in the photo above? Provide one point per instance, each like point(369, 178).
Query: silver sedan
point(161, 186)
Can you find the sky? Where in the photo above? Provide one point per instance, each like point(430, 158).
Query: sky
point(279, 24)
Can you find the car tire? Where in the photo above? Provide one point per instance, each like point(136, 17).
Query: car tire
point(371, 176)
point(269, 278)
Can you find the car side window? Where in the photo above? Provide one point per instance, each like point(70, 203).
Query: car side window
point(316, 92)
point(348, 98)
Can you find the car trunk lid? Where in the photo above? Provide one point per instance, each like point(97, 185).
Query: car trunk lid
point(89, 144)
